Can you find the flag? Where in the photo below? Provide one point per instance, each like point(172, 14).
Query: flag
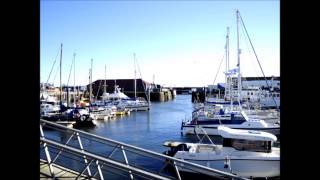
point(232, 71)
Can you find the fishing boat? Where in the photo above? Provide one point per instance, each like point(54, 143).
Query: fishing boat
point(245, 153)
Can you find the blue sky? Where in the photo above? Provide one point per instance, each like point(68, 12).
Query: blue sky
point(180, 43)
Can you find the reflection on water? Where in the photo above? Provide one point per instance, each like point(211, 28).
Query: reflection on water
point(148, 129)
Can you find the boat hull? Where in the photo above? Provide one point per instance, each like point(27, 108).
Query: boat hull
point(240, 167)
point(213, 129)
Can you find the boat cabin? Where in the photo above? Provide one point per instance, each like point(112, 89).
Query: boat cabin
point(247, 140)
point(248, 145)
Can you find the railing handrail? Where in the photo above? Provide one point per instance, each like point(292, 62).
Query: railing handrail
point(101, 159)
point(199, 168)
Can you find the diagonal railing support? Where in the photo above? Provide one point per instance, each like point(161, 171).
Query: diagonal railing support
point(84, 157)
point(47, 153)
point(126, 160)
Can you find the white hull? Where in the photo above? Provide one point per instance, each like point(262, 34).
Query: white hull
point(212, 129)
point(138, 108)
point(242, 167)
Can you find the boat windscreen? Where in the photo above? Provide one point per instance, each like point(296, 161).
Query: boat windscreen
point(244, 115)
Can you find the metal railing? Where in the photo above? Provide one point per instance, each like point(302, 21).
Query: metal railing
point(99, 157)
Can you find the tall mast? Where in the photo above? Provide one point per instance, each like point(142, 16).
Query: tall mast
point(60, 73)
point(135, 76)
point(90, 81)
point(74, 78)
point(227, 62)
point(238, 53)
point(105, 79)
point(228, 77)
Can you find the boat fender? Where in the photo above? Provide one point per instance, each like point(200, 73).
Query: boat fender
point(226, 162)
point(82, 118)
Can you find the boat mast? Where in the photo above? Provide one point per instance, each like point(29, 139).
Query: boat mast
point(238, 53)
point(135, 76)
point(105, 80)
point(90, 82)
point(228, 77)
point(60, 74)
point(74, 79)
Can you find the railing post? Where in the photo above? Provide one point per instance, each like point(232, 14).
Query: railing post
point(126, 160)
point(176, 168)
point(99, 170)
point(47, 153)
point(84, 157)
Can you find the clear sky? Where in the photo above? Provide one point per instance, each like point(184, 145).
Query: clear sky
point(179, 43)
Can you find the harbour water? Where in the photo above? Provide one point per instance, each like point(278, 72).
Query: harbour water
point(145, 129)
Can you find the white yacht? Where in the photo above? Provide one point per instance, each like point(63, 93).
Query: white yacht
point(233, 119)
point(245, 153)
point(48, 104)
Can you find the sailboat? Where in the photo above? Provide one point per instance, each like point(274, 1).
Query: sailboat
point(134, 104)
point(137, 104)
point(230, 117)
point(69, 116)
point(252, 96)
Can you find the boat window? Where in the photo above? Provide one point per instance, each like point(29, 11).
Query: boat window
point(248, 145)
point(226, 142)
point(205, 148)
point(182, 147)
point(244, 115)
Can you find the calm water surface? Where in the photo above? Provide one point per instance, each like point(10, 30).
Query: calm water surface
point(149, 129)
point(145, 129)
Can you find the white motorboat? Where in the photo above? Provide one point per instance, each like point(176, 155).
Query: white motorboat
point(233, 119)
point(245, 153)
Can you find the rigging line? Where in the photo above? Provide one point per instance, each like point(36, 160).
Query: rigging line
point(53, 65)
point(70, 73)
point(218, 69)
point(141, 77)
point(257, 58)
point(250, 55)
point(56, 74)
point(98, 89)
